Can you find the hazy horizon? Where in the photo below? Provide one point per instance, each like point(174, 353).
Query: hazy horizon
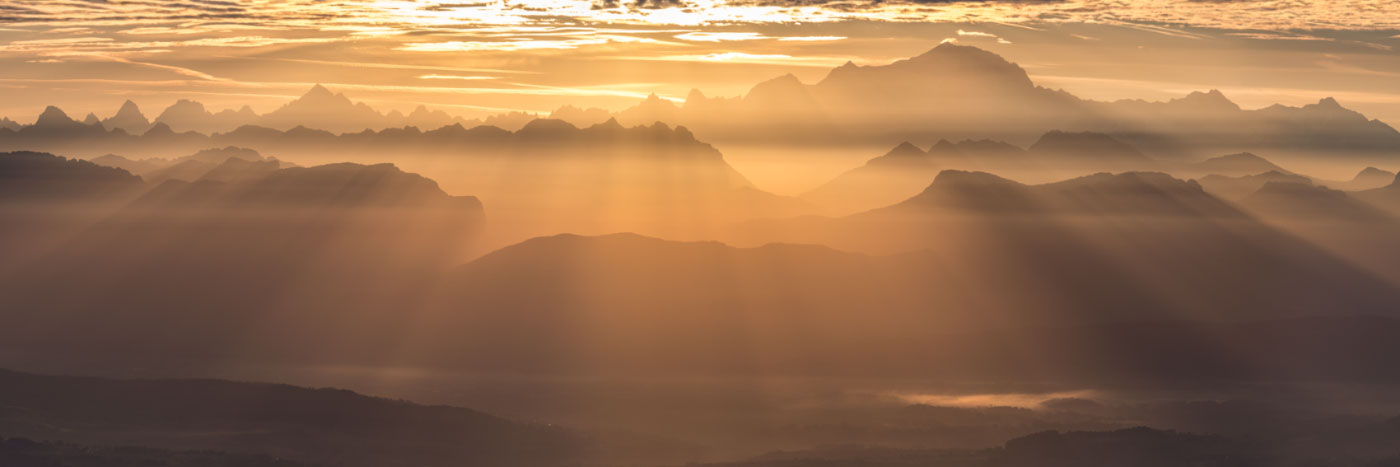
point(361, 233)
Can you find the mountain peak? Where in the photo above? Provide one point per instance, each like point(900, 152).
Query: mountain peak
point(128, 107)
point(906, 149)
point(53, 116)
point(1213, 99)
point(318, 91)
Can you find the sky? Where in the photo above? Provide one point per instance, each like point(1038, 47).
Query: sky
point(475, 58)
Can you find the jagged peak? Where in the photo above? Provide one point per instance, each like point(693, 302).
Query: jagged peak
point(129, 107)
point(187, 103)
point(1211, 99)
point(53, 116)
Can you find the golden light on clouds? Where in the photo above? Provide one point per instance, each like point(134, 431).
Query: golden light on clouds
point(405, 51)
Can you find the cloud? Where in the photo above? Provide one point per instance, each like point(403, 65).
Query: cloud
point(811, 38)
point(976, 33)
point(720, 36)
point(500, 46)
point(467, 78)
point(750, 59)
point(985, 35)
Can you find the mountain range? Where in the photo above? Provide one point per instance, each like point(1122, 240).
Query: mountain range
point(319, 108)
point(958, 92)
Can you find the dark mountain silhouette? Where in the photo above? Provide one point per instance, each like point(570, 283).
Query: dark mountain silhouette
point(7, 124)
point(23, 452)
point(1293, 200)
point(1235, 188)
point(32, 176)
point(321, 426)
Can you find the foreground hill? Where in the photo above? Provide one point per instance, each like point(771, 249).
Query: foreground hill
point(301, 425)
point(1133, 447)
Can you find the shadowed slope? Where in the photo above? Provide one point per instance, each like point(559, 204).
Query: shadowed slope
point(269, 257)
point(323, 426)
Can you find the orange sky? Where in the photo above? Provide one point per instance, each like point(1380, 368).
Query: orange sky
point(476, 58)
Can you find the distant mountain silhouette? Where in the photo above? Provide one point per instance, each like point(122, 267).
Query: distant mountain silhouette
point(1235, 188)
point(130, 165)
point(1368, 178)
point(1088, 150)
point(324, 110)
point(1292, 200)
point(188, 115)
point(958, 92)
point(194, 166)
point(320, 426)
point(1233, 165)
point(1386, 197)
point(1132, 193)
point(1372, 177)
point(129, 119)
point(906, 170)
